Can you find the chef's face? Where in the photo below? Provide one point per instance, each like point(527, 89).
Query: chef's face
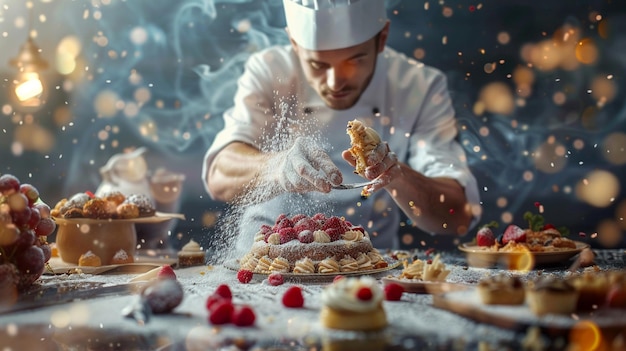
point(340, 76)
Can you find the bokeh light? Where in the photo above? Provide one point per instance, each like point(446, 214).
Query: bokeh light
point(599, 188)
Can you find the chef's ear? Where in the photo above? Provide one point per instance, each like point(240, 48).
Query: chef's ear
point(382, 37)
point(294, 45)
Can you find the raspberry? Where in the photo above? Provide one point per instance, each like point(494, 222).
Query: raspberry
point(243, 316)
point(359, 228)
point(306, 223)
point(283, 223)
point(275, 279)
point(244, 276)
point(298, 217)
point(221, 312)
point(333, 222)
point(548, 226)
point(166, 272)
point(514, 233)
point(266, 229)
point(334, 233)
point(364, 294)
point(319, 217)
point(223, 290)
point(485, 237)
point(293, 297)
point(306, 237)
point(393, 292)
point(212, 301)
point(287, 234)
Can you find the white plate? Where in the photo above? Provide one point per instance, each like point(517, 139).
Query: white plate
point(480, 256)
point(391, 264)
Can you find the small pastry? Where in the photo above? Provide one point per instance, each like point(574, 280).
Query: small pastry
point(89, 259)
point(551, 295)
point(501, 289)
point(122, 257)
point(191, 255)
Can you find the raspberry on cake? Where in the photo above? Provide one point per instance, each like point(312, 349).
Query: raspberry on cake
point(353, 303)
point(316, 244)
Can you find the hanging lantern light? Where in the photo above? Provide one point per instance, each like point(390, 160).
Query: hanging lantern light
point(28, 90)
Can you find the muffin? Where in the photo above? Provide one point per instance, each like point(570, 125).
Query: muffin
point(353, 303)
point(144, 203)
point(191, 255)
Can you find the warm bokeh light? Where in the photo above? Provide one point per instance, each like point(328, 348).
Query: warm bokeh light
point(585, 335)
point(587, 51)
point(609, 233)
point(615, 148)
point(497, 98)
point(599, 188)
point(550, 157)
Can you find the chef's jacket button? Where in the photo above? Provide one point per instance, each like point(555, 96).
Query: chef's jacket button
point(376, 111)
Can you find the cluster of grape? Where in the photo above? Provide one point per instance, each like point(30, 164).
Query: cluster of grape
point(25, 223)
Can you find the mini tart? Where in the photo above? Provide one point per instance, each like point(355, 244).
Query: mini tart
point(501, 289)
point(89, 259)
point(551, 295)
point(191, 255)
point(122, 257)
point(345, 306)
point(363, 140)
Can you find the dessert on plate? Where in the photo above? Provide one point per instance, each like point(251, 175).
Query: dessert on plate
point(433, 271)
point(89, 259)
point(311, 244)
point(501, 289)
point(551, 295)
point(191, 254)
point(353, 303)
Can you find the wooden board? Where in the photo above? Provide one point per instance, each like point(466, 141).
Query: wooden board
point(467, 304)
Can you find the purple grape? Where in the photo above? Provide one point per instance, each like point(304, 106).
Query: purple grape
point(34, 219)
point(46, 249)
point(9, 184)
point(44, 209)
point(45, 227)
point(26, 239)
point(21, 217)
point(31, 261)
point(31, 193)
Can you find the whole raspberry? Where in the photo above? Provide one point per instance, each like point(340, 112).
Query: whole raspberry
point(334, 233)
point(244, 276)
point(333, 222)
point(222, 312)
point(364, 294)
point(293, 297)
point(166, 272)
point(306, 237)
point(275, 279)
point(243, 316)
point(213, 300)
point(287, 234)
point(393, 292)
point(223, 290)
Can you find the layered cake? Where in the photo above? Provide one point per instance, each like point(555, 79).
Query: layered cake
point(353, 303)
point(307, 245)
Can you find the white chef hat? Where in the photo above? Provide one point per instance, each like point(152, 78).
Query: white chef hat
point(334, 24)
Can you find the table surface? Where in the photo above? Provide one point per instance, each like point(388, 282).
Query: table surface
point(94, 320)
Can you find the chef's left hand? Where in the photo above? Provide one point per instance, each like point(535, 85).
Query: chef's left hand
point(382, 165)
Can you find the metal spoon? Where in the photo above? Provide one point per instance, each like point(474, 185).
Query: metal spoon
point(353, 185)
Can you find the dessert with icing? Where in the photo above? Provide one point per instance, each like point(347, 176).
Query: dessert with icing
point(353, 303)
point(551, 295)
point(191, 254)
point(122, 257)
point(501, 289)
point(89, 259)
point(431, 270)
point(311, 245)
point(363, 140)
point(114, 205)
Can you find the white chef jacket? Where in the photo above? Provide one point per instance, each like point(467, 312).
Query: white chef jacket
point(406, 102)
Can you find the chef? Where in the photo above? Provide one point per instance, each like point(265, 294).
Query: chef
point(284, 143)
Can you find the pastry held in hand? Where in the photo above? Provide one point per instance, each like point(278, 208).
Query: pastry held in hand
point(363, 140)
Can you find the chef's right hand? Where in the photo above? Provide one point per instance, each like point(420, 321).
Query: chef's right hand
point(306, 167)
